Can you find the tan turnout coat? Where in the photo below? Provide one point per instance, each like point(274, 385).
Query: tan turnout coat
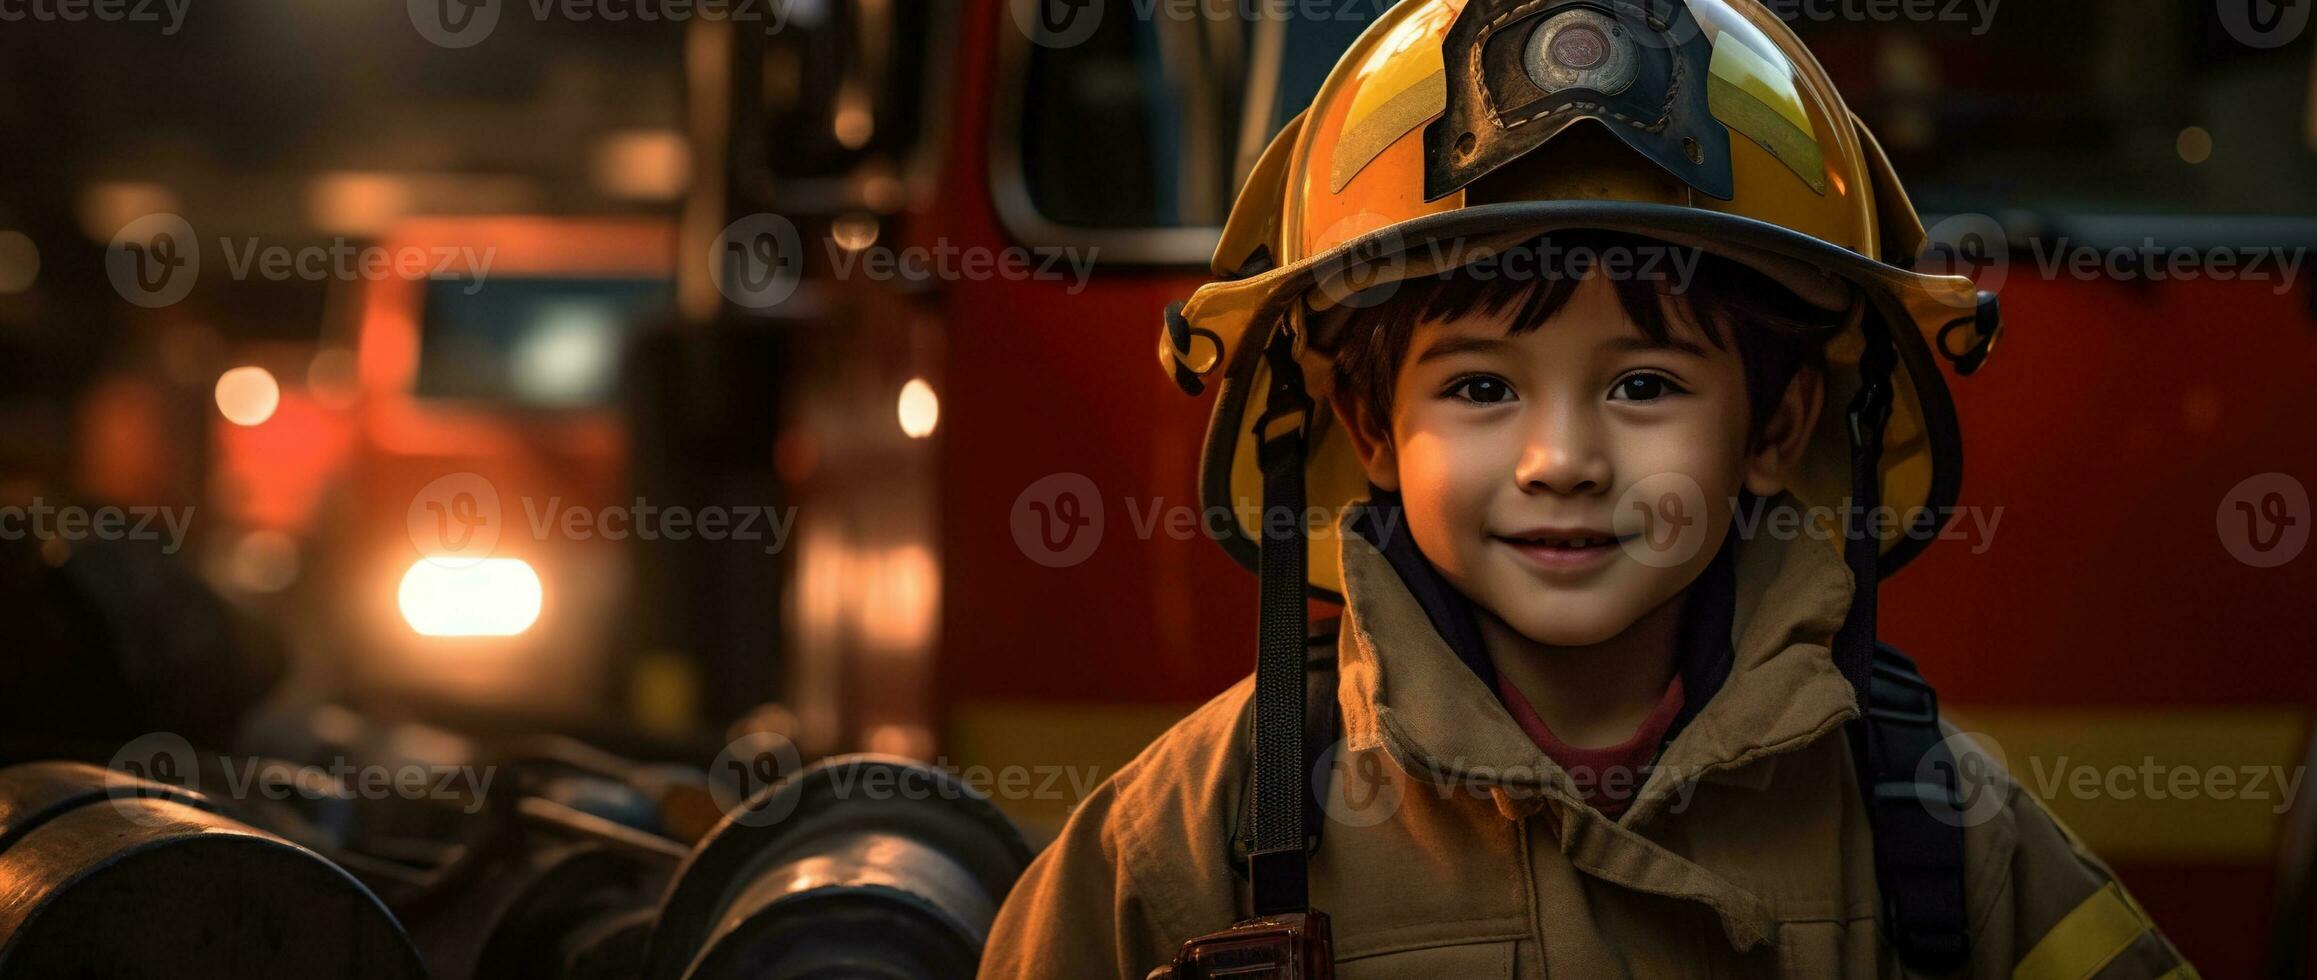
point(1455, 849)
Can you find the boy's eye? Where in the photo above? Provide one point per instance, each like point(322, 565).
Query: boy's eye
point(1643, 387)
point(1481, 389)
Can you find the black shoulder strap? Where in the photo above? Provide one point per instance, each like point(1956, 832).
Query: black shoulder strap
point(1322, 726)
point(1896, 743)
point(1907, 773)
point(1278, 857)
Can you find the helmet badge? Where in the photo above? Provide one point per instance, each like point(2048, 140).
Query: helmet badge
point(1580, 48)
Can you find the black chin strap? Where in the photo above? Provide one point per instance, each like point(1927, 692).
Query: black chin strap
point(1870, 412)
point(1277, 862)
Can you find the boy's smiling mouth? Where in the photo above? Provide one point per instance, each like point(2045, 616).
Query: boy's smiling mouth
point(1562, 549)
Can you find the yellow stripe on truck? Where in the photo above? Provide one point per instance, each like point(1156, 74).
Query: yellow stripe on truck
point(2154, 784)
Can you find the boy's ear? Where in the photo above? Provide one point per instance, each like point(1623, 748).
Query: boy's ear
point(1786, 433)
point(1371, 438)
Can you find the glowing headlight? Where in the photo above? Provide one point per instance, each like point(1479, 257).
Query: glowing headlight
point(491, 597)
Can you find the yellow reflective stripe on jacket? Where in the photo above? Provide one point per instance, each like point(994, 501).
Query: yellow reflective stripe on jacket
point(2086, 939)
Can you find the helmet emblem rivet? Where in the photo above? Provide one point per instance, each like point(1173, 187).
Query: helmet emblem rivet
point(1580, 47)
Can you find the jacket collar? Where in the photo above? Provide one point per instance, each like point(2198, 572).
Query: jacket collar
point(1406, 693)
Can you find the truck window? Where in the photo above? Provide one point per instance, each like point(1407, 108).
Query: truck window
point(1144, 123)
point(2183, 110)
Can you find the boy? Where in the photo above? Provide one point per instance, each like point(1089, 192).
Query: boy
point(1598, 717)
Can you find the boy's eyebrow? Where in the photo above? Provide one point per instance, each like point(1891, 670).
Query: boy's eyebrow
point(1645, 344)
point(1452, 346)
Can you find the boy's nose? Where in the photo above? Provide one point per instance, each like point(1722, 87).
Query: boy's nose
point(1563, 455)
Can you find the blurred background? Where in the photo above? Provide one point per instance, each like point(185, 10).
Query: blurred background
point(410, 329)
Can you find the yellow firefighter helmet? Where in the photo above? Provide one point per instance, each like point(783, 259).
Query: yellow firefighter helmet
point(1485, 123)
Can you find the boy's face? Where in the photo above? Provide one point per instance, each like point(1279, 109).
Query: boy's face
point(1536, 467)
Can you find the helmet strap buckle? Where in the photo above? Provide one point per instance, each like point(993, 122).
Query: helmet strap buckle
point(1287, 400)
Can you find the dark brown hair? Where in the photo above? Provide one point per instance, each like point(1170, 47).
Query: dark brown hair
point(1775, 332)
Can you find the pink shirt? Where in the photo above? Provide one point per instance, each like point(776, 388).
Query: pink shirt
point(1606, 777)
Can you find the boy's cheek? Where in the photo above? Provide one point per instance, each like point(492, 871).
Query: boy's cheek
point(1451, 479)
